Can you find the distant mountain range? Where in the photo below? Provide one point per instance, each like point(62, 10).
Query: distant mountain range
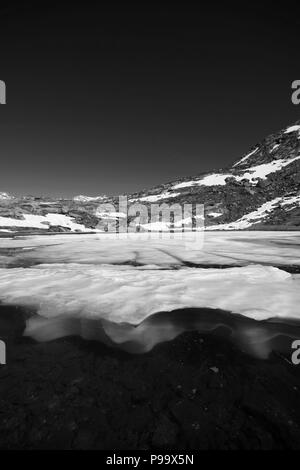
point(260, 191)
point(89, 198)
point(5, 196)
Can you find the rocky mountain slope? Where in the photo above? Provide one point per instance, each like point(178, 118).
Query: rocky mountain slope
point(259, 191)
point(89, 198)
point(5, 196)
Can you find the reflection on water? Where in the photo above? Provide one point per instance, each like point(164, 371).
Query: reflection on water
point(255, 338)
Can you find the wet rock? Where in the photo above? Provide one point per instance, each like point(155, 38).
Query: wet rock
point(72, 394)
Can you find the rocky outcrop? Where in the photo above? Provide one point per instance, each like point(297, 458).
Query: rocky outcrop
point(271, 169)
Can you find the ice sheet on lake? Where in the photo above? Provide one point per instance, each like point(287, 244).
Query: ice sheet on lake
point(89, 276)
point(131, 294)
point(225, 248)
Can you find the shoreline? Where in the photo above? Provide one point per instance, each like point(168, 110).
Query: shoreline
point(198, 391)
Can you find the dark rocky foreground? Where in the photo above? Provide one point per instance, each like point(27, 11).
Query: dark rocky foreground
point(196, 392)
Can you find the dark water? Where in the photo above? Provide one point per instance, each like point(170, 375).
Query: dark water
point(258, 339)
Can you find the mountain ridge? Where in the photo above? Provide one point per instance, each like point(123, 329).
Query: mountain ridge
point(259, 190)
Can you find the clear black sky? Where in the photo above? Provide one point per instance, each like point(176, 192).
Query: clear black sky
point(116, 97)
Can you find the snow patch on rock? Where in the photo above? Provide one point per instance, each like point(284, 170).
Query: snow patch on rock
point(259, 214)
point(43, 222)
point(131, 294)
point(246, 157)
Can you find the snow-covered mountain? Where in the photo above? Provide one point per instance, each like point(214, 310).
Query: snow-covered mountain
point(260, 190)
point(5, 196)
point(82, 198)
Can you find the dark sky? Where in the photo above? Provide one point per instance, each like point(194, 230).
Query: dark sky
point(116, 97)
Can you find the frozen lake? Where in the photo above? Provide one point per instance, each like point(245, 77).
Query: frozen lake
point(208, 248)
point(96, 278)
